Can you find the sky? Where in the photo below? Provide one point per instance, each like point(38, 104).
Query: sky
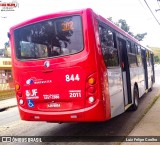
point(135, 12)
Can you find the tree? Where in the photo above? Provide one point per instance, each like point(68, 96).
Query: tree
point(7, 49)
point(6, 45)
point(124, 26)
point(140, 36)
point(157, 59)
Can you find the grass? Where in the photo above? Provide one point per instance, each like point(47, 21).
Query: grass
point(152, 103)
point(7, 94)
point(156, 50)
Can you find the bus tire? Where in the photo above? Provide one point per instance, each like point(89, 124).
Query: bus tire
point(135, 99)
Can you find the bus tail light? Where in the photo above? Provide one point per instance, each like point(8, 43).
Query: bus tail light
point(19, 94)
point(91, 89)
point(91, 99)
point(21, 102)
point(91, 81)
point(91, 92)
point(17, 87)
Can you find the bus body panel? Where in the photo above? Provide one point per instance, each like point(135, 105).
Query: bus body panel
point(62, 87)
point(150, 75)
point(141, 82)
point(93, 113)
point(116, 91)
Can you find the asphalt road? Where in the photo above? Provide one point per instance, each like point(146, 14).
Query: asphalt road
point(11, 125)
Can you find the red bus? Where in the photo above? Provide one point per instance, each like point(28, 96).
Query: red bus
point(76, 66)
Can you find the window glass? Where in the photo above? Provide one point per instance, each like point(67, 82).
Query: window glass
point(139, 50)
point(50, 38)
point(129, 47)
point(139, 57)
point(132, 54)
point(148, 57)
point(110, 53)
point(133, 48)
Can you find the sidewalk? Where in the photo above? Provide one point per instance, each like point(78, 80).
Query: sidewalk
point(148, 126)
point(4, 104)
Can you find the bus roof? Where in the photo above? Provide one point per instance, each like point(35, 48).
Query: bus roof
point(48, 16)
point(117, 28)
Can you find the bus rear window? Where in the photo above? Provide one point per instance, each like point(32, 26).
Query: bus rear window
point(49, 38)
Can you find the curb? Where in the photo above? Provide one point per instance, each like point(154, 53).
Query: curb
point(5, 108)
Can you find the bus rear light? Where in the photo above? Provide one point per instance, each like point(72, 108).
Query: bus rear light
point(91, 81)
point(21, 102)
point(19, 94)
point(91, 89)
point(17, 87)
point(91, 99)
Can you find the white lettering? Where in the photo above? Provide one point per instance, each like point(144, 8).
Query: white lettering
point(72, 77)
point(51, 96)
point(34, 92)
point(54, 105)
point(75, 93)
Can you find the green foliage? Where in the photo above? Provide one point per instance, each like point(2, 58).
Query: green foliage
point(156, 52)
point(140, 36)
point(7, 94)
point(6, 45)
point(157, 59)
point(124, 26)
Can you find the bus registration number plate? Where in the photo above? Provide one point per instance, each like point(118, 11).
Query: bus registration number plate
point(54, 105)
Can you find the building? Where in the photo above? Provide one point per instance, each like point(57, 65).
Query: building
point(6, 79)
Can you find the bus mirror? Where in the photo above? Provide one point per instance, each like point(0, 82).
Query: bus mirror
point(9, 35)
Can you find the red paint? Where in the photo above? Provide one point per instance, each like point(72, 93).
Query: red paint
point(68, 100)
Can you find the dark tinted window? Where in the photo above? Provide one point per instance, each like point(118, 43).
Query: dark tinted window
point(139, 57)
point(148, 57)
point(129, 47)
point(132, 50)
point(109, 51)
point(50, 38)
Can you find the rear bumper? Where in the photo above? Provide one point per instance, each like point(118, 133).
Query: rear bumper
point(94, 113)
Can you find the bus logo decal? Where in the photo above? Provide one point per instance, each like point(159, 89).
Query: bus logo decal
point(37, 81)
point(30, 103)
point(30, 81)
point(46, 64)
point(32, 94)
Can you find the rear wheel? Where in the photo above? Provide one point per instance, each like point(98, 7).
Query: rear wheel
point(136, 99)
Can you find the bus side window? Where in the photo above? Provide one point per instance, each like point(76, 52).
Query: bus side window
point(129, 47)
point(109, 51)
point(110, 41)
point(148, 58)
point(132, 55)
point(139, 58)
point(134, 48)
